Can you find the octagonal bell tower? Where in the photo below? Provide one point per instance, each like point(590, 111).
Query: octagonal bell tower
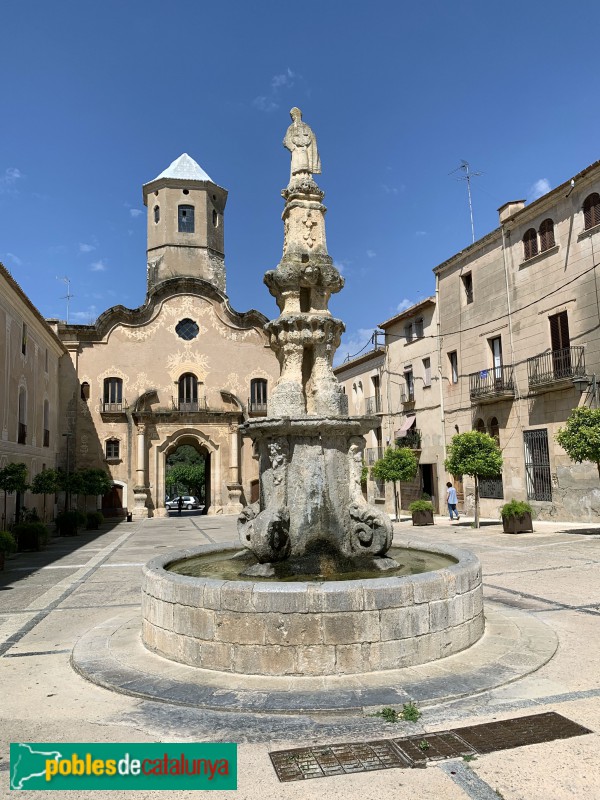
point(185, 225)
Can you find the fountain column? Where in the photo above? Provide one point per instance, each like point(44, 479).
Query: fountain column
point(140, 490)
point(234, 487)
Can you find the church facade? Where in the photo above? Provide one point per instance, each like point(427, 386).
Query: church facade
point(183, 369)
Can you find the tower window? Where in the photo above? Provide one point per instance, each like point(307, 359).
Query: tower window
point(85, 391)
point(186, 219)
point(215, 219)
point(467, 281)
point(187, 329)
point(156, 213)
point(24, 339)
point(186, 191)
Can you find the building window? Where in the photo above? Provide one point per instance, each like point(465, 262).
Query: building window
point(22, 432)
point(496, 348)
point(85, 391)
point(591, 211)
point(24, 339)
point(188, 392)
point(215, 217)
point(537, 465)
point(185, 219)
point(426, 372)
point(495, 430)
point(491, 488)
point(419, 328)
point(46, 440)
point(408, 332)
point(113, 449)
point(467, 281)
point(156, 213)
point(530, 244)
point(561, 345)
point(113, 394)
point(258, 396)
point(546, 235)
point(187, 329)
point(479, 426)
point(409, 386)
point(453, 359)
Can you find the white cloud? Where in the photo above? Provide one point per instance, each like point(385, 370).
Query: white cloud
point(86, 317)
point(264, 103)
point(341, 266)
point(538, 189)
point(371, 253)
point(352, 343)
point(15, 259)
point(283, 80)
point(389, 189)
point(86, 248)
point(420, 233)
point(10, 177)
point(98, 266)
point(135, 212)
point(404, 304)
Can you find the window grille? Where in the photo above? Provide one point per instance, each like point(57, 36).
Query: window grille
point(187, 329)
point(258, 396)
point(113, 394)
point(546, 235)
point(537, 465)
point(491, 488)
point(591, 211)
point(530, 244)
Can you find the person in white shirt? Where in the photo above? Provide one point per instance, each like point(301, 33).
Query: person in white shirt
point(452, 500)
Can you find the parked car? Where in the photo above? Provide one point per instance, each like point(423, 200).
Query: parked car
point(188, 502)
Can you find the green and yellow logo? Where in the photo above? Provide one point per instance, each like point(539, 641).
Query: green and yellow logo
point(64, 765)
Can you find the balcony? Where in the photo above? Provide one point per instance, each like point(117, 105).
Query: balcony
point(257, 409)
point(190, 406)
point(492, 384)
point(373, 454)
point(556, 370)
point(412, 440)
point(114, 408)
point(407, 396)
point(22, 435)
point(373, 405)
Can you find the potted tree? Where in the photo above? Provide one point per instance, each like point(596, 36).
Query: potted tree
point(476, 454)
point(516, 517)
point(7, 545)
point(422, 512)
point(399, 464)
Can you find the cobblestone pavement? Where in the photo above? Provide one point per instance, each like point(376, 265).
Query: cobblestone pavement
point(49, 600)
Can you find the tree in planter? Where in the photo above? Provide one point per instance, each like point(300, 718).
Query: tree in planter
point(580, 438)
point(94, 482)
point(475, 454)
point(13, 478)
point(70, 483)
point(46, 482)
point(398, 464)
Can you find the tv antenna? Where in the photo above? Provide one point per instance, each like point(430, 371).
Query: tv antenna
point(68, 295)
point(465, 167)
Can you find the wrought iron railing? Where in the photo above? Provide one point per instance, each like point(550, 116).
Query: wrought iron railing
point(22, 435)
point(493, 381)
point(407, 396)
point(114, 408)
point(257, 409)
point(189, 406)
point(557, 365)
point(373, 405)
point(374, 454)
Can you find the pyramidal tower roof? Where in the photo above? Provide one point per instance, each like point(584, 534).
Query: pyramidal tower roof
point(185, 168)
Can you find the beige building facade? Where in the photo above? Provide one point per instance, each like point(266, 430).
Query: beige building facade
point(519, 315)
point(183, 369)
point(29, 394)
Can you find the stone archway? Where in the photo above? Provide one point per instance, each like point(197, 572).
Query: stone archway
point(203, 444)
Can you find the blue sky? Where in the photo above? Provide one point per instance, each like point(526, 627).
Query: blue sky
point(97, 99)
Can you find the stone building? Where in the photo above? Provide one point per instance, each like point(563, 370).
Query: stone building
point(400, 382)
point(29, 395)
point(184, 368)
point(519, 318)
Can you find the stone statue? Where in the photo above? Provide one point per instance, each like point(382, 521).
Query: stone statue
point(302, 143)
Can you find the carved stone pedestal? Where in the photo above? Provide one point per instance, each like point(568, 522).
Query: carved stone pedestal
point(140, 496)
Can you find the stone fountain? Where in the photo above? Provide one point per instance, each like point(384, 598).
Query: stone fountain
point(311, 520)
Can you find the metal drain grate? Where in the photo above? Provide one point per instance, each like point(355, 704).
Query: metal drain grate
point(416, 751)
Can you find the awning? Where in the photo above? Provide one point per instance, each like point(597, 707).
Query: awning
point(405, 427)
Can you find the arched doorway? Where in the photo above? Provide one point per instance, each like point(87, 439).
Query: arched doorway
point(187, 471)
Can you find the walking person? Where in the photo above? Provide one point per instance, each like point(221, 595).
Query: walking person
point(452, 500)
point(180, 504)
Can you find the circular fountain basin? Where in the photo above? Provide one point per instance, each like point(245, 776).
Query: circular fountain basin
point(310, 627)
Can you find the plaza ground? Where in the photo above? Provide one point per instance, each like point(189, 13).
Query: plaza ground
point(49, 600)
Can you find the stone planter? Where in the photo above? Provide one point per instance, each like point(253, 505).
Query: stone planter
point(422, 518)
point(521, 524)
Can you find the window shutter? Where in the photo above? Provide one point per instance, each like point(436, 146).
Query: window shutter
point(546, 235)
point(559, 331)
point(591, 211)
point(530, 245)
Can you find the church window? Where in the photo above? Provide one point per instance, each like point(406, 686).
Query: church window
point(186, 219)
point(22, 432)
point(156, 213)
point(24, 339)
point(187, 329)
point(188, 392)
point(591, 211)
point(85, 391)
point(113, 447)
point(258, 396)
point(46, 440)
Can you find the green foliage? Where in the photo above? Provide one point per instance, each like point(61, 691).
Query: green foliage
point(420, 505)
point(31, 535)
point(71, 482)
point(474, 453)
point(190, 476)
point(93, 520)
point(396, 465)
point(46, 482)
point(94, 481)
point(580, 438)
point(364, 475)
point(67, 522)
point(13, 478)
point(424, 745)
point(469, 757)
point(516, 508)
point(388, 714)
point(7, 542)
point(185, 454)
point(410, 712)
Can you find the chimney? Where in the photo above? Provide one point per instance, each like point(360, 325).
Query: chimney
point(510, 208)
